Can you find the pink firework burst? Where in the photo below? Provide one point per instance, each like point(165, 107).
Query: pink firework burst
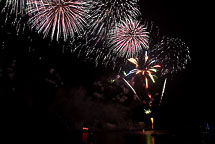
point(57, 18)
point(129, 38)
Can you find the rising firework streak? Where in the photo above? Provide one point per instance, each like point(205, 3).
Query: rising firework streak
point(132, 89)
point(164, 85)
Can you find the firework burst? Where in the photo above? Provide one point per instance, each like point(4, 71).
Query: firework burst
point(104, 14)
point(59, 18)
point(144, 73)
point(172, 53)
point(147, 68)
point(129, 38)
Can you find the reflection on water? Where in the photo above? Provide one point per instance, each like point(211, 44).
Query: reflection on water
point(85, 138)
point(130, 138)
point(207, 133)
point(150, 139)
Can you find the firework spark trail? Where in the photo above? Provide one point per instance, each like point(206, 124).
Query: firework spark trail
point(58, 17)
point(154, 33)
point(15, 13)
point(131, 72)
point(128, 38)
point(146, 83)
point(164, 86)
point(15, 7)
point(132, 89)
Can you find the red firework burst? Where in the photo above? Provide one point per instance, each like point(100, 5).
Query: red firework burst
point(129, 38)
point(60, 18)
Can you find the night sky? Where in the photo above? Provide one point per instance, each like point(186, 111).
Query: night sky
point(35, 57)
point(175, 18)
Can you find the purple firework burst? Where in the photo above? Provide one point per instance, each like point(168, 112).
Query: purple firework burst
point(129, 38)
point(59, 18)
